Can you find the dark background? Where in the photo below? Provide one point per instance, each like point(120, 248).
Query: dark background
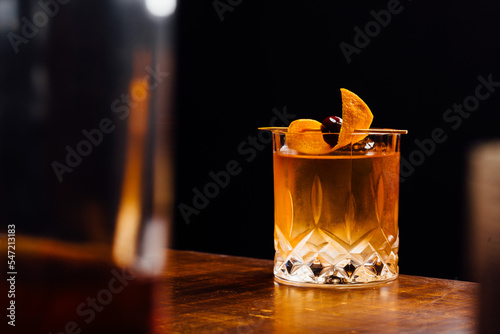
point(235, 68)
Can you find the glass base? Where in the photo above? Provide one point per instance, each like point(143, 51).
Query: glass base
point(345, 273)
point(335, 286)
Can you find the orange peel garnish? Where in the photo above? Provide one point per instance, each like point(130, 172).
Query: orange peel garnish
point(303, 137)
point(355, 115)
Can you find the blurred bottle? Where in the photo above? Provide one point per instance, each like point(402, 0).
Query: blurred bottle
point(85, 168)
point(484, 199)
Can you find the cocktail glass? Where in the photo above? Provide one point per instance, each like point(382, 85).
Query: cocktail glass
point(336, 213)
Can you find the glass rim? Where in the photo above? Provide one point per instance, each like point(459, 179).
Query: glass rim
point(372, 131)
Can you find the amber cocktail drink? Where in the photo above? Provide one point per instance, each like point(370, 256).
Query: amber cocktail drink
point(336, 212)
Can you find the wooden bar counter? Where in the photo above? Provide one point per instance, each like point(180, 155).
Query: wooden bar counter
point(207, 293)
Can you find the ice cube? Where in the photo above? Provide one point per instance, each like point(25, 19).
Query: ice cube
point(286, 150)
point(363, 145)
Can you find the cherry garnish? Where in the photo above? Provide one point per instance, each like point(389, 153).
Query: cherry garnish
point(331, 127)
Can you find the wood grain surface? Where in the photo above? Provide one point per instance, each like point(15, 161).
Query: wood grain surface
point(207, 293)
